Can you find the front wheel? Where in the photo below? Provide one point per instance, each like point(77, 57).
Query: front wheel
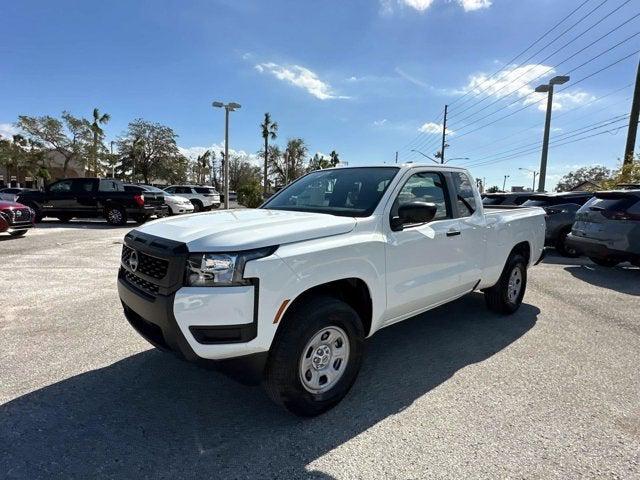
point(506, 295)
point(316, 356)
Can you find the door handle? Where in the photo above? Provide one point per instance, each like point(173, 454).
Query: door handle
point(453, 233)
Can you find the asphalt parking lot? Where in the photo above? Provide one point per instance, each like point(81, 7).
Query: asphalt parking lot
point(459, 392)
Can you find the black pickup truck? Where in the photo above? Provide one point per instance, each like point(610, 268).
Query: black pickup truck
point(89, 198)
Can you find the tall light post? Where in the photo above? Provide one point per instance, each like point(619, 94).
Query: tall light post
point(504, 182)
point(547, 88)
point(533, 189)
point(229, 107)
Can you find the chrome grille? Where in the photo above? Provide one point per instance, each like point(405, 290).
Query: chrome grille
point(147, 265)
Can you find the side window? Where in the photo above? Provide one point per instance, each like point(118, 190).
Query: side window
point(465, 197)
point(83, 186)
point(183, 190)
point(170, 190)
point(111, 186)
point(424, 187)
point(61, 187)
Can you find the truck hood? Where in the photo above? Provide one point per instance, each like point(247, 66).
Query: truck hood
point(234, 230)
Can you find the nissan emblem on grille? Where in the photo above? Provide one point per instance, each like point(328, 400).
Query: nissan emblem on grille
point(133, 260)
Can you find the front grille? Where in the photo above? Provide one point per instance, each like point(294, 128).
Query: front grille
point(147, 265)
point(19, 215)
point(142, 284)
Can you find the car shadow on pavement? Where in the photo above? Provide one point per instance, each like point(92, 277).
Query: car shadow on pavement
point(153, 416)
point(554, 258)
point(622, 279)
point(82, 224)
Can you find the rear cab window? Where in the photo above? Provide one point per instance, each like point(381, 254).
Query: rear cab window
point(465, 194)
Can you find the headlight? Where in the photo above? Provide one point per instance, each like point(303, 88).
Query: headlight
point(221, 269)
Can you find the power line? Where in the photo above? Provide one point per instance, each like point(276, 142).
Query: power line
point(551, 145)
point(526, 49)
point(573, 84)
point(531, 67)
point(550, 69)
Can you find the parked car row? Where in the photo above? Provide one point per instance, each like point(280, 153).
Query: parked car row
point(604, 226)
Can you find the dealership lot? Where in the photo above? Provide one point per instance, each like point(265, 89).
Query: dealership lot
point(459, 392)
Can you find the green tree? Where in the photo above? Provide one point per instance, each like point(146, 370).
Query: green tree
point(69, 136)
point(595, 174)
point(22, 154)
point(98, 136)
point(629, 173)
point(250, 194)
point(269, 130)
point(203, 166)
point(319, 162)
point(494, 189)
point(242, 172)
point(291, 164)
point(333, 156)
point(149, 150)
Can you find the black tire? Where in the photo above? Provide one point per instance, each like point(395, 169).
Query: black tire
point(64, 218)
point(605, 262)
point(498, 298)
point(562, 247)
point(282, 379)
point(141, 218)
point(36, 209)
point(197, 206)
point(19, 233)
point(115, 216)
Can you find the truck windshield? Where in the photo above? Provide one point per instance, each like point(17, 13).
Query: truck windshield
point(349, 192)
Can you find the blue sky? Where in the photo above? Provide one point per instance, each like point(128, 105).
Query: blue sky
point(360, 77)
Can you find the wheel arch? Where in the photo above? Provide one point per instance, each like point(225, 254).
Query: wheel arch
point(353, 291)
point(523, 248)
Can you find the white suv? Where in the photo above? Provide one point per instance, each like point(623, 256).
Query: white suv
point(202, 198)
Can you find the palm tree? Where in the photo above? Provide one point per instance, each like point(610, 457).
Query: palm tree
point(97, 135)
point(269, 130)
point(334, 158)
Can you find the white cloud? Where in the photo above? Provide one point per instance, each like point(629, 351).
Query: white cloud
point(521, 82)
point(419, 5)
point(193, 152)
point(8, 130)
point(472, 5)
point(431, 127)
point(300, 77)
point(379, 123)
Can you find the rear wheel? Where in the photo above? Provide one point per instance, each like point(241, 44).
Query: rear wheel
point(506, 295)
point(197, 205)
point(605, 262)
point(115, 216)
point(564, 249)
point(316, 356)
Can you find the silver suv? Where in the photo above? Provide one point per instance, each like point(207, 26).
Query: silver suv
point(202, 197)
point(607, 228)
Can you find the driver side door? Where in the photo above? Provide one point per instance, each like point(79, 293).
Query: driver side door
point(421, 260)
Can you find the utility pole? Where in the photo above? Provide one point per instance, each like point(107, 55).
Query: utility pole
point(444, 134)
point(633, 122)
point(396, 157)
point(504, 183)
point(548, 88)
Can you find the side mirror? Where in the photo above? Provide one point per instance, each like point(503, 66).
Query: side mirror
point(414, 213)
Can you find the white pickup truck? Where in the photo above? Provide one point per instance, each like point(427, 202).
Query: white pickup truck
point(291, 290)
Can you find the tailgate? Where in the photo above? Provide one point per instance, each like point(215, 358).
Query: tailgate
point(153, 199)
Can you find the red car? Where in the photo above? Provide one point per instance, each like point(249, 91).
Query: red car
point(15, 218)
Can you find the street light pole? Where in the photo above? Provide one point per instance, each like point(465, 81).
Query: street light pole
point(504, 183)
point(533, 188)
point(548, 88)
point(229, 107)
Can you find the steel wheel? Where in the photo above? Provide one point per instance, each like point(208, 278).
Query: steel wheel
point(324, 360)
point(515, 284)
